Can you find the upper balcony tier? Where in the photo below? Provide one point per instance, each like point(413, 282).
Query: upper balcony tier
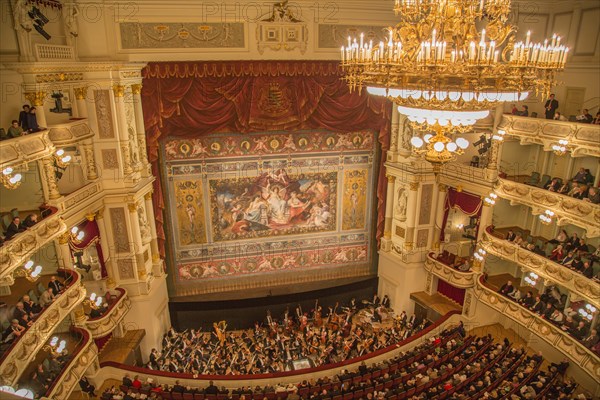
point(70, 133)
point(81, 359)
point(544, 267)
point(102, 326)
point(549, 332)
point(451, 275)
point(568, 210)
point(16, 359)
point(15, 252)
point(584, 139)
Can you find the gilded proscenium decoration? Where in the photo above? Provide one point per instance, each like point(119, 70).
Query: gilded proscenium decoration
point(567, 209)
point(34, 338)
point(455, 278)
point(59, 77)
point(166, 35)
point(544, 267)
point(75, 368)
point(102, 326)
point(583, 138)
point(16, 251)
point(80, 92)
point(281, 29)
point(549, 332)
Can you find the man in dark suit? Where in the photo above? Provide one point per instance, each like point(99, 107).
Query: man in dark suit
point(55, 285)
point(211, 389)
point(14, 227)
point(178, 388)
point(551, 106)
point(127, 381)
point(23, 118)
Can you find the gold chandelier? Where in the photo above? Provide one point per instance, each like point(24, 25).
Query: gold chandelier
point(443, 72)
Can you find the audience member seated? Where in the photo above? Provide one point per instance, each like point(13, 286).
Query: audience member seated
point(15, 130)
point(562, 237)
point(30, 220)
point(552, 185)
point(559, 117)
point(596, 120)
point(524, 111)
point(585, 117)
point(593, 195)
point(583, 176)
point(13, 228)
point(56, 286)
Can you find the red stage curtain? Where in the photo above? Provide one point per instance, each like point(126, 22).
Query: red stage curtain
point(469, 204)
point(191, 99)
point(92, 236)
point(454, 293)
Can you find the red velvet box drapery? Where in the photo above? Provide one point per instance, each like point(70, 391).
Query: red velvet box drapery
point(469, 204)
point(92, 236)
point(453, 293)
point(191, 99)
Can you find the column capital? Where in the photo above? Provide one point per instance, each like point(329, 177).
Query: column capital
point(100, 213)
point(148, 196)
point(35, 98)
point(132, 206)
point(80, 92)
point(136, 88)
point(64, 238)
point(442, 187)
point(391, 178)
point(90, 216)
point(118, 90)
point(414, 185)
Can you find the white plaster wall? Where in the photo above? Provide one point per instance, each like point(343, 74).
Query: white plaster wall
point(399, 279)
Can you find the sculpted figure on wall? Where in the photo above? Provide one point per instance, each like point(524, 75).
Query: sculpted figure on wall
point(401, 204)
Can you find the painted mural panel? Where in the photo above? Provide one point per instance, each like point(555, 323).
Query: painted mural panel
point(190, 212)
point(272, 204)
point(355, 199)
point(247, 207)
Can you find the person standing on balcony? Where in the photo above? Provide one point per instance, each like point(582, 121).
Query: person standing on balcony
point(32, 121)
point(551, 106)
point(23, 118)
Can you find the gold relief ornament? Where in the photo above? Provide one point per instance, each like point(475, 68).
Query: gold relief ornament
point(90, 216)
point(118, 90)
point(36, 98)
point(64, 238)
point(132, 206)
point(442, 187)
point(414, 186)
point(136, 88)
point(80, 93)
point(391, 178)
point(148, 195)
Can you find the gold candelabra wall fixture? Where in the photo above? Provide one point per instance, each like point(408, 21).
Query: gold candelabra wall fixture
point(29, 271)
point(10, 179)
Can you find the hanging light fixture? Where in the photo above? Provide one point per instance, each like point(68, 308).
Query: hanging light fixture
point(10, 180)
point(445, 74)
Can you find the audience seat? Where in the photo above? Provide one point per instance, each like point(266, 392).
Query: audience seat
point(533, 179)
point(188, 396)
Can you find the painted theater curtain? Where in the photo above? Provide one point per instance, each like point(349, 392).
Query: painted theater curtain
point(193, 99)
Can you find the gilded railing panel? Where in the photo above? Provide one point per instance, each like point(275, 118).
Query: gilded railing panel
point(104, 325)
point(70, 133)
point(455, 278)
point(24, 149)
point(20, 354)
point(82, 359)
point(567, 209)
point(552, 334)
point(16, 251)
point(584, 139)
point(544, 267)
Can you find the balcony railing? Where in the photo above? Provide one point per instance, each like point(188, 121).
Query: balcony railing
point(552, 334)
point(567, 209)
point(69, 133)
point(584, 139)
point(82, 357)
point(17, 250)
point(25, 149)
point(455, 278)
point(17, 357)
point(102, 326)
point(544, 267)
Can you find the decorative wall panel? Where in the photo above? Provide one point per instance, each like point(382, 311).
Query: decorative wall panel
point(332, 36)
point(244, 205)
point(104, 114)
point(160, 35)
point(425, 208)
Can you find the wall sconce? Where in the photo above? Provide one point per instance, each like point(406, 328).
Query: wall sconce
point(30, 272)
point(546, 217)
point(77, 235)
point(55, 347)
point(23, 392)
point(499, 136)
point(479, 255)
point(531, 279)
point(94, 301)
point(588, 312)
point(491, 199)
point(9, 180)
point(561, 148)
point(61, 159)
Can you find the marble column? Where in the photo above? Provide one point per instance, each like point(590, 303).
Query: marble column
point(80, 94)
point(439, 216)
point(411, 215)
point(389, 207)
point(104, 242)
point(89, 159)
point(150, 216)
point(140, 128)
point(137, 239)
point(485, 219)
point(37, 100)
point(65, 259)
point(119, 93)
point(50, 178)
